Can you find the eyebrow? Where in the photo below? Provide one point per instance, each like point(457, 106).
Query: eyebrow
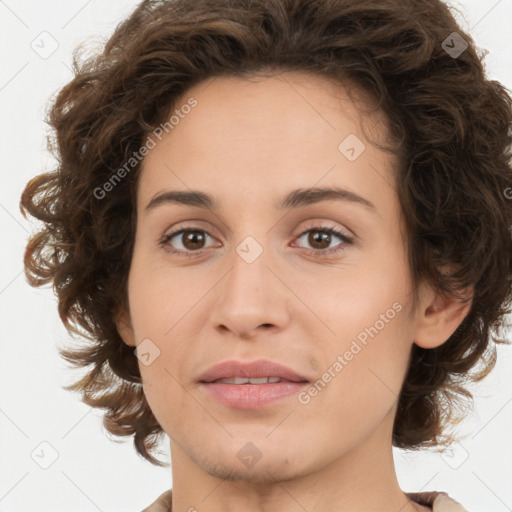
point(295, 199)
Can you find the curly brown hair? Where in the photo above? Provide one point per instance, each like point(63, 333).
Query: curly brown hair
point(452, 132)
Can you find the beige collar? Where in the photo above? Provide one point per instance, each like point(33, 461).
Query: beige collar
point(439, 501)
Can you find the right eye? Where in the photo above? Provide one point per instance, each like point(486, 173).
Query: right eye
point(194, 236)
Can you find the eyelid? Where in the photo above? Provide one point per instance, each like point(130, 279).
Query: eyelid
point(332, 231)
point(319, 224)
point(313, 225)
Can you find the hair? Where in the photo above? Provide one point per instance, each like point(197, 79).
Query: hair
point(451, 128)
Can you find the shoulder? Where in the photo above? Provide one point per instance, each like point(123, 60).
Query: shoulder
point(162, 504)
point(439, 501)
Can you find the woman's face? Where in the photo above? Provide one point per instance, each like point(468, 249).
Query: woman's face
point(256, 276)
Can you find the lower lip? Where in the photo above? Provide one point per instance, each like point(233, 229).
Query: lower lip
point(251, 396)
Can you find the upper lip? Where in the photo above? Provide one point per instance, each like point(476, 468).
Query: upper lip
point(255, 369)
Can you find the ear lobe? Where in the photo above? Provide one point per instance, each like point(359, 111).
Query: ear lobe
point(439, 317)
point(124, 327)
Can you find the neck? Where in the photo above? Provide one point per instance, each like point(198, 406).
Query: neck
point(358, 480)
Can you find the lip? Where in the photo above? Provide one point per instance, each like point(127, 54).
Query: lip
point(253, 369)
point(251, 396)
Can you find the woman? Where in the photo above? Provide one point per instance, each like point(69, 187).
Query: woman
point(284, 225)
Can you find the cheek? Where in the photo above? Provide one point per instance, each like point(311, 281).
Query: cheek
point(368, 326)
point(164, 388)
point(159, 307)
point(353, 300)
point(362, 367)
point(160, 296)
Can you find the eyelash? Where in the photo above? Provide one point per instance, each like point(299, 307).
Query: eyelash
point(324, 229)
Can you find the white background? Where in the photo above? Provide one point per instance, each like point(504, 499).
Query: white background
point(93, 473)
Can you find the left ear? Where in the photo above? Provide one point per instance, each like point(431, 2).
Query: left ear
point(123, 323)
point(439, 316)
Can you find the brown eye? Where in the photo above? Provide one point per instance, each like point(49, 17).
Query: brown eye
point(185, 241)
point(190, 242)
point(321, 238)
point(193, 240)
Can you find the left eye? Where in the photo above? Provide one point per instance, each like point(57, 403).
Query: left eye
point(194, 236)
point(321, 235)
point(193, 241)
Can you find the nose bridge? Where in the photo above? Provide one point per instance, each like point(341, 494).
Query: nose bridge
point(249, 272)
point(251, 245)
point(250, 294)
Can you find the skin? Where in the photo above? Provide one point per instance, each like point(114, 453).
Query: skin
point(249, 142)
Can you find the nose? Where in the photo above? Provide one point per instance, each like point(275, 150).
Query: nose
point(252, 298)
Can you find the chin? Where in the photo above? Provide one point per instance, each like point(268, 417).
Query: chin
point(262, 472)
point(257, 460)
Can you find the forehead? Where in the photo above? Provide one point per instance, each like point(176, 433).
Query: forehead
point(306, 104)
point(251, 134)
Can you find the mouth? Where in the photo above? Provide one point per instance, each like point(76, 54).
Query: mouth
point(261, 371)
point(252, 380)
point(236, 393)
point(253, 385)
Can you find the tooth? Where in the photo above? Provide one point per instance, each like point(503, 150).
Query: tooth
point(261, 380)
point(247, 380)
point(235, 380)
